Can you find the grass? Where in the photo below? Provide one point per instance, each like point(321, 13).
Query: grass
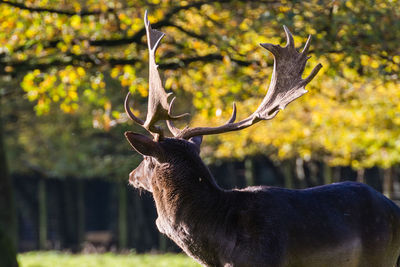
point(59, 259)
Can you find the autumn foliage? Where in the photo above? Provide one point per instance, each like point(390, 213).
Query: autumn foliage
point(69, 55)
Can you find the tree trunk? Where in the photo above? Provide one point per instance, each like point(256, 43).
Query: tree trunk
point(72, 207)
point(7, 209)
point(141, 235)
point(387, 182)
point(327, 174)
point(162, 240)
point(312, 177)
point(360, 176)
point(80, 223)
point(301, 177)
point(42, 210)
point(336, 177)
point(287, 171)
point(122, 216)
point(249, 171)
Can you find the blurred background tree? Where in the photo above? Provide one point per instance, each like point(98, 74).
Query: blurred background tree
point(72, 63)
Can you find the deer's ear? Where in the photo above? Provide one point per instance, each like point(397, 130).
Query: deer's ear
point(144, 145)
point(197, 141)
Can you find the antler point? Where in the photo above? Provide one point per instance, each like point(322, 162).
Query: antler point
point(233, 117)
point(312, 74)
point(146, 18)
point(270, 47)
point(289, 37)
point(307, 45)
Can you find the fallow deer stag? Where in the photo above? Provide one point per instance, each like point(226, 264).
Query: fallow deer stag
point(343, 224)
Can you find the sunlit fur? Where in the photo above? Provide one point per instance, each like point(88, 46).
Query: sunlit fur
point(343, 224)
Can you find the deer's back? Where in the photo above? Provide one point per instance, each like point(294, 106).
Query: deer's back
point(347, 224)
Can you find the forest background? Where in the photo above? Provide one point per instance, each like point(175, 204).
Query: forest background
point(65, 67)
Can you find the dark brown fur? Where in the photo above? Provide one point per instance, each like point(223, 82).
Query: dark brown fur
point(343, 224)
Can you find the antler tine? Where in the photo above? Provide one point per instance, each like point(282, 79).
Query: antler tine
point(307, 45)
point(289, 37)
point(172, 117)
point(175, 131)
point(233, 116)
point(130, 113)
point(286, 85)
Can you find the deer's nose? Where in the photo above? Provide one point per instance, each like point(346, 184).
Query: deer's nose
point(132, 177)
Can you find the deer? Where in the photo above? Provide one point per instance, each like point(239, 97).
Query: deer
point(342, 224)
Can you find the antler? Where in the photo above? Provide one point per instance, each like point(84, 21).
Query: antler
point(286, 86)
point(157, 107)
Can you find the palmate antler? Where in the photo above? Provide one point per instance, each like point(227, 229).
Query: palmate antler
point(157, 107)
point(286, 86)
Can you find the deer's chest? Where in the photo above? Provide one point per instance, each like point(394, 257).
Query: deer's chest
point(195, 245)
point(178, 233)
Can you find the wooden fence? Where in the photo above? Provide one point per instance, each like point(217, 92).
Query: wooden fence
point(96, 215)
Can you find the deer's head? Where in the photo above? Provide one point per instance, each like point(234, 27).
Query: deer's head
point(179, 155)
point(168, 158)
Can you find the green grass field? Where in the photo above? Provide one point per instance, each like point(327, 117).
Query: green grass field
point(58, 259)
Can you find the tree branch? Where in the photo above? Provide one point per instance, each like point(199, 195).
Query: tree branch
point(75, 60)
point(189, 33)
point(162, 23)
point(57, 11)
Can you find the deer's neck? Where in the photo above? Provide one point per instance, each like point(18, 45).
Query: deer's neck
point(190, 207)
point(183, 192)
